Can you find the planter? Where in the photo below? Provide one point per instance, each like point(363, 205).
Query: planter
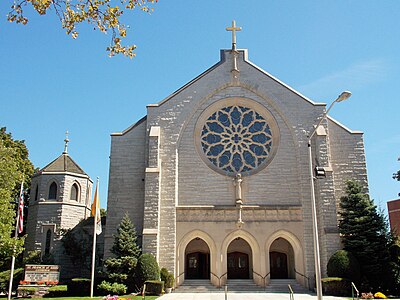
point(168, 290)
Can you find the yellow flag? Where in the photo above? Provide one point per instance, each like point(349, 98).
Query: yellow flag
point(96, 209)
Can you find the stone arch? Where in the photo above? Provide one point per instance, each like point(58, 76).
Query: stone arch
point(255, 248)
point(183, 243)
point(53, 190)
point(75, 191)
point(297, 251)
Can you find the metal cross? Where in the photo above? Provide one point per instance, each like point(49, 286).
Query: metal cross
point(233, 29)
point(66, 143)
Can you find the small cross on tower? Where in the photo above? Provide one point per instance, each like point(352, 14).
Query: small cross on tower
point(233, 29)
point(66, 143)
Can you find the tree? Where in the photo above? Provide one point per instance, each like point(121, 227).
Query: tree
point(365, 234)
point(121, 268)
point(14, 165)
point(104, 15)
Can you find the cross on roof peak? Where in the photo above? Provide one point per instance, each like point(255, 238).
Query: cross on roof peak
point(233, 29)
point(66, 143)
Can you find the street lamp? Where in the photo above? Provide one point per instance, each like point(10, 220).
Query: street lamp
point(343, 96)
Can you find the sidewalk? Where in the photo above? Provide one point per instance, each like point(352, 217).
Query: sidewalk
point(244, 296)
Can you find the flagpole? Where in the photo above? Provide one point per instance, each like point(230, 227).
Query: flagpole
point(15, 237)
point(94, 240)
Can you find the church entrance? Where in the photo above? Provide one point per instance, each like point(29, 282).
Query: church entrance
point(239, 258)
point(197, 260)
point(281, 259)
point(238, 265)
point(278, 262)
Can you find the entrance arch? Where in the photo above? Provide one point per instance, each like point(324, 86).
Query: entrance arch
point(197, 260)
point(181, 257)
point(281, 259)
point(285, 242)
point(239, 259)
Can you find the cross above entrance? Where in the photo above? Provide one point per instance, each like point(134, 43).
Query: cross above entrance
point(233, 29)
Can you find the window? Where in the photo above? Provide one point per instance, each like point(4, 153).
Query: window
point(48, 242)
point(53, 191)
point(36, 193)
point(74, 192)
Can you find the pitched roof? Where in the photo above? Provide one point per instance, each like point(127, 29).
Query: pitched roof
point(63, 163)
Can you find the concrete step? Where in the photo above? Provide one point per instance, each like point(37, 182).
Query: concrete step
point(281, 286)
point(243, 285)
point(197, 286)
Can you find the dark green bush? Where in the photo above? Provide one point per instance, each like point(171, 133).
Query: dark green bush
point(167, 277)
point(5, 279)
point(113, 288)
point(343, 264)
point(146, 269)
point(335, 286)
point(163, 274)
point(57, 291)
point(26, 292)
point(79, 287)
point(154, 287)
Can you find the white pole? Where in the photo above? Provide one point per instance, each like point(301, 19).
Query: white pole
point(94, 241)
point(317, 261)
point(15, 237)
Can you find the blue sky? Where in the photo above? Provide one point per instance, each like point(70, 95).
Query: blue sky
point(50, 83)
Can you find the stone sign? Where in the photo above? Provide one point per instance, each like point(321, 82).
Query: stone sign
point(42, 273)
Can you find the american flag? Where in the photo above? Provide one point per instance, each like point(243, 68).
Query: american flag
point(21, 210)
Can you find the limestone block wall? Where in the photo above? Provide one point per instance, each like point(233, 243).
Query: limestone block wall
point(348, 157)
point(56, 214)
point(126, 181)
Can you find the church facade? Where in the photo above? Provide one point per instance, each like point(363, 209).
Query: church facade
point(216, 177)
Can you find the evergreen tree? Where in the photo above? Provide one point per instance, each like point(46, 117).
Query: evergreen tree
point(364, 233)
point(121, 268)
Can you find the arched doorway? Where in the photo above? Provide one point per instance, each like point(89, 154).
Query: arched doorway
point(239, 259)
point(281, 259)
point(197, 260)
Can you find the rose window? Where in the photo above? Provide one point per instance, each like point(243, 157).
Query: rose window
point(236, 139)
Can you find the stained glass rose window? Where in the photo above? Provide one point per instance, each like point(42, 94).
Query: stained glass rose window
point(237, 139)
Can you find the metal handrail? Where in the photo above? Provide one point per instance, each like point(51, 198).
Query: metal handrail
point(262, 277)
point(291, 297)
point(176, 279)
point(219, 278)
point(308, 279)
point(354, 288)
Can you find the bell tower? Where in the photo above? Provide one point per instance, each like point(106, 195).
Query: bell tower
point(60, 199)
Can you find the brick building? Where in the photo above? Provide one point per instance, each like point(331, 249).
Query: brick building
point(216, 177)
point(394, 215)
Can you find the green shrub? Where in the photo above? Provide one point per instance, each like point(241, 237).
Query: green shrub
point(5, 279)
point(343, 264)
point(336, 286)
point(79, 287)
point(25, 292)
point(114, 288)
point(57, 291)
point(167, 277)
point(163, 274)
point(154, 287)
point(146, 269)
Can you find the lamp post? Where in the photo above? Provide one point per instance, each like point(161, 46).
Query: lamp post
point(343, 96)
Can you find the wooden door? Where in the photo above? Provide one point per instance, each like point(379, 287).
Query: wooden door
point(238, 265)
point(198, 265)
point(278, 263)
